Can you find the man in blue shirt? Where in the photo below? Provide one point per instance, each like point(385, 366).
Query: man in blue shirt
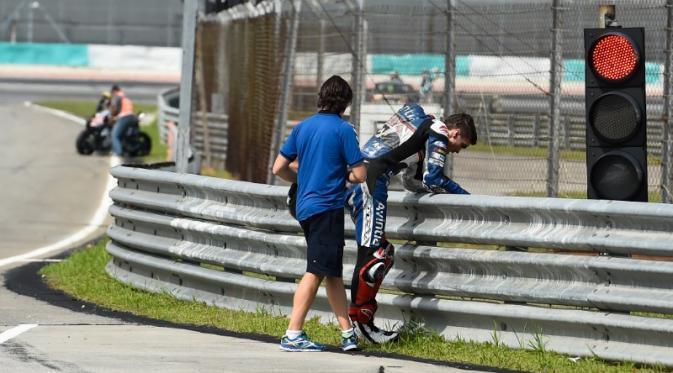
point(328, 150)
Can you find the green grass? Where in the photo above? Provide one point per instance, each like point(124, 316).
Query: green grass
point(534, 152)
point(85, 109)
point(541, 152)
point(82, 276)
point(216, 172)
point(653, 197)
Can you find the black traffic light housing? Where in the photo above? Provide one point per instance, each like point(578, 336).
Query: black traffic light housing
point(616, 114)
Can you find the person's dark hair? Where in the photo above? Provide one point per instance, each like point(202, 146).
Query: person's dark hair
point(335, 95)
point(115, 88)
point(464, 123)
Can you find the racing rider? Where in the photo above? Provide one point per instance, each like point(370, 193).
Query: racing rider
point(416, 144)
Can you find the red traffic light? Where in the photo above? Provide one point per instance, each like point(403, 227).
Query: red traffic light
point(614, 57)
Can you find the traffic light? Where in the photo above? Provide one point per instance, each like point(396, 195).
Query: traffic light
point(616, 115)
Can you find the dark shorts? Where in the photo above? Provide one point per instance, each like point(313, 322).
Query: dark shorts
point(324, 234)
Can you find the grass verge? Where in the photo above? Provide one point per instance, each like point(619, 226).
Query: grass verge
point(541, 152)
point(82, 276)
point(653, 197)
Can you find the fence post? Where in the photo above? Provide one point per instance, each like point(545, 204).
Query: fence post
point(449, 77)
point(667, 149)
point(363, 88)
point(321, 55)
point(183, 150)
point(199, 81)
point(555, 103)
point(357, 66)
point(284, 99)
point(567, 128)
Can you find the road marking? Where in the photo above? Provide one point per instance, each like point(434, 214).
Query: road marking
point(13, 332)
point(68, 242)
point(58, 113)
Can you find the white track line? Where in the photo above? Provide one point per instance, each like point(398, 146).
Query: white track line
point(58, 113)
point(68, 242)
point(13, 332)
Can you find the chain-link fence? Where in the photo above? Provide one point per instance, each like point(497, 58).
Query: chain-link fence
point(492, 59)
point(238, 65)
point(120, 22)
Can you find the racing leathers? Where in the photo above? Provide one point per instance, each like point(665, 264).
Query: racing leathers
point(416, 144)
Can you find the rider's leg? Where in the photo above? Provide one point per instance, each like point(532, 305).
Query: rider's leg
point(372, 266)
point(374, 256)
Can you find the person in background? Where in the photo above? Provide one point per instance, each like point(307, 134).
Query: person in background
point(427, 79)
point(121, 116)
point(327, 148)
point(103, 102)
point(395, 78)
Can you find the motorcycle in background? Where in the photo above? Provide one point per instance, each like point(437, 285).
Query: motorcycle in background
point(97, 137)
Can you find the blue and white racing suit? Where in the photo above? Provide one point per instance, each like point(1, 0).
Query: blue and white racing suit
point(422, 168)
point(416, 144)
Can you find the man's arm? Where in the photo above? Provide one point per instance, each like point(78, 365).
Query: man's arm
point(294, 166)
point(357, 171)
point(433, 175)
point(281, 168)
point(357, 174)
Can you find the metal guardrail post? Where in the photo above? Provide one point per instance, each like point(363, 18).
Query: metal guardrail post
point(566, 132)
point(555, 102)
point(536, 131)
point(189, 15)
point(510, 130)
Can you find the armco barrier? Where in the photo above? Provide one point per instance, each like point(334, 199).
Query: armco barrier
point(209, 130)
point(233, 244)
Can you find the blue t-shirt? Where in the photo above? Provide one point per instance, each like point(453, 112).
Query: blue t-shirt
point(326, 146)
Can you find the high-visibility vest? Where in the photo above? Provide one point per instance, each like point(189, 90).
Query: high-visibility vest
point(126, 105)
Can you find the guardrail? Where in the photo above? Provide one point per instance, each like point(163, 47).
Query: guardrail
point(233, 244)
point(209, 130)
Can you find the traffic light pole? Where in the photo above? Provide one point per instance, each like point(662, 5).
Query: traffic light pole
point(555, 100)
point(668, 110)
